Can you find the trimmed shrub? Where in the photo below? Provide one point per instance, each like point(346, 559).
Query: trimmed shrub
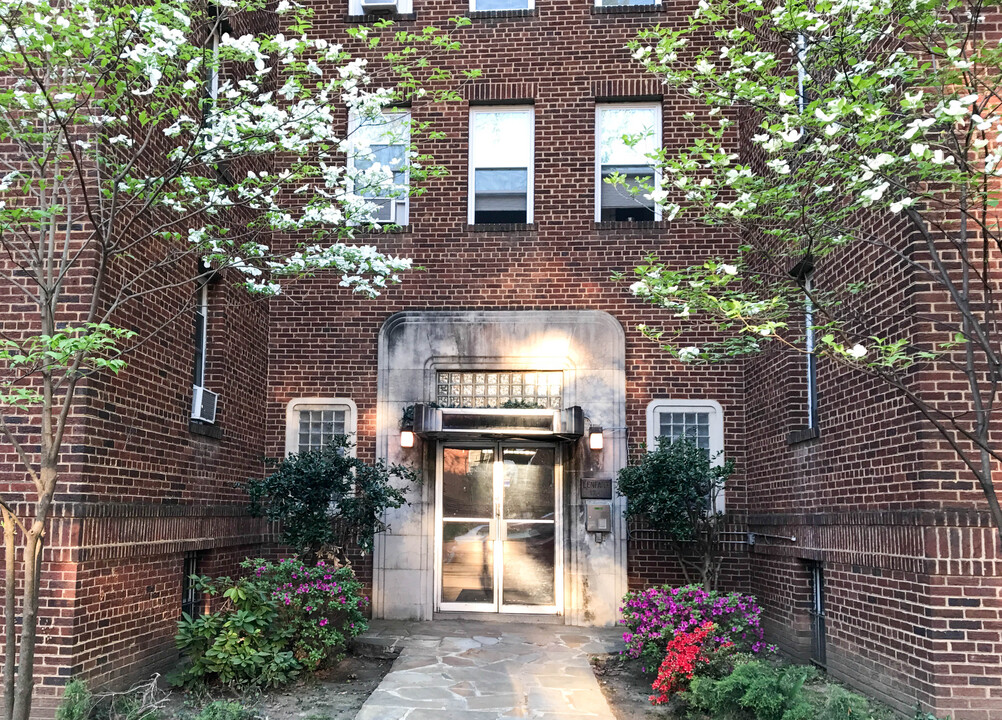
point(656, 615)
point(764, 691)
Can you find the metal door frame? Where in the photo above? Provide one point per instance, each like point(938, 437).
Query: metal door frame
point(498, 606)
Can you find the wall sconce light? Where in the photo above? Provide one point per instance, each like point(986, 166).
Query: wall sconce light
point(595, 439)
point(406, 438)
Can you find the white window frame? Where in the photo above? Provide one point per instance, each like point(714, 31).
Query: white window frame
point(474, 8)
point(530, 175)
point(202, 308)
point(403, 7)
point(810, 347)
point(353, 124)
point(599, 107)
point(318, 403)
point(657, 406)
point(213, 83)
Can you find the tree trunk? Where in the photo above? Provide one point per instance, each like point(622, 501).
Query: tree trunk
point(10, 646)
point(29, 621)
point(985, 479)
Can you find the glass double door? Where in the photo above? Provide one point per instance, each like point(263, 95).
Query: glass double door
point(498, 527)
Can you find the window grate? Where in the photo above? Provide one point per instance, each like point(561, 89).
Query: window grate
point(191, 599)
point(817, 613)
point(317, 427)
point(494, 389)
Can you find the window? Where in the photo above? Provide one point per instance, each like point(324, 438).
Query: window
point(379, 163)
point(476, 5)
point(702, 421)
point(403, 7)
point(699, 420)
point(501, 160)
point(220, 25)
point(625, 135)
point(817, 613)
point(492, 389)
point(201, 332)
point(192, 601)
point(811, 359)
point(203, 401)
point(312, 422)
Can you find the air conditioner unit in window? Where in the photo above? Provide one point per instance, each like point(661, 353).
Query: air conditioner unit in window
point(371, 6)
point(203, 404)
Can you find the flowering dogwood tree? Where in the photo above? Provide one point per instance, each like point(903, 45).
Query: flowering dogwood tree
point(146, 145)
point(870, 163)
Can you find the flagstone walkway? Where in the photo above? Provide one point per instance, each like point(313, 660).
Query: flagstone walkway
point(463, 670)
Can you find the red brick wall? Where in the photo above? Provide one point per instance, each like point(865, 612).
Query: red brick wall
point(323, 341)
point(881, 501)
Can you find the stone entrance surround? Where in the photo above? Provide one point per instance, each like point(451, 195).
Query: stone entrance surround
point(464, 670)
point(588, 347)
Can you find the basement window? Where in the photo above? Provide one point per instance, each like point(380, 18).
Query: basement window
point(817, 613)
point(192, 601)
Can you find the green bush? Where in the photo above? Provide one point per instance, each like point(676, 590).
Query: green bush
point(762, 690)
point(844, 705)
point(758, 690)
point(321, 605)
point(328, 499)
point(674, 490)
point(284, 618)
point(77, 702)
point(242, 644)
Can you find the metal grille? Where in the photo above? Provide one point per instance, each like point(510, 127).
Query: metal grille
point(692, 425)
point(191, 599)
point(317, 427)
point(543, 389)
point(817, 613)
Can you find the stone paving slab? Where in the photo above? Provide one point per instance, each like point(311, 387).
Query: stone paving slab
point(459, 669)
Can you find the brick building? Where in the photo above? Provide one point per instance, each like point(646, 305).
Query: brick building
point(871, 553)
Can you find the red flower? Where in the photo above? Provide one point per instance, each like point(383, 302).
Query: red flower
point(684, 654)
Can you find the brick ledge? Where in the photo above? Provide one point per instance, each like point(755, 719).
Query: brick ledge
point(626, 9)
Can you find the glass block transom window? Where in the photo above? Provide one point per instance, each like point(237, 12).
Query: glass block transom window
point(317, 427)
point(692, 425)
point(490, 389)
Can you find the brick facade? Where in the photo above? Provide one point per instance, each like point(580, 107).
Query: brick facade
point(913, 589)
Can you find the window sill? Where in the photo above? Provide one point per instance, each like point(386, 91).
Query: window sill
point(625, 9)
point(800, 435)
point(501, 227)
point(371, 18)
point(488, 14)
point(631, 225)
point(205, 430)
